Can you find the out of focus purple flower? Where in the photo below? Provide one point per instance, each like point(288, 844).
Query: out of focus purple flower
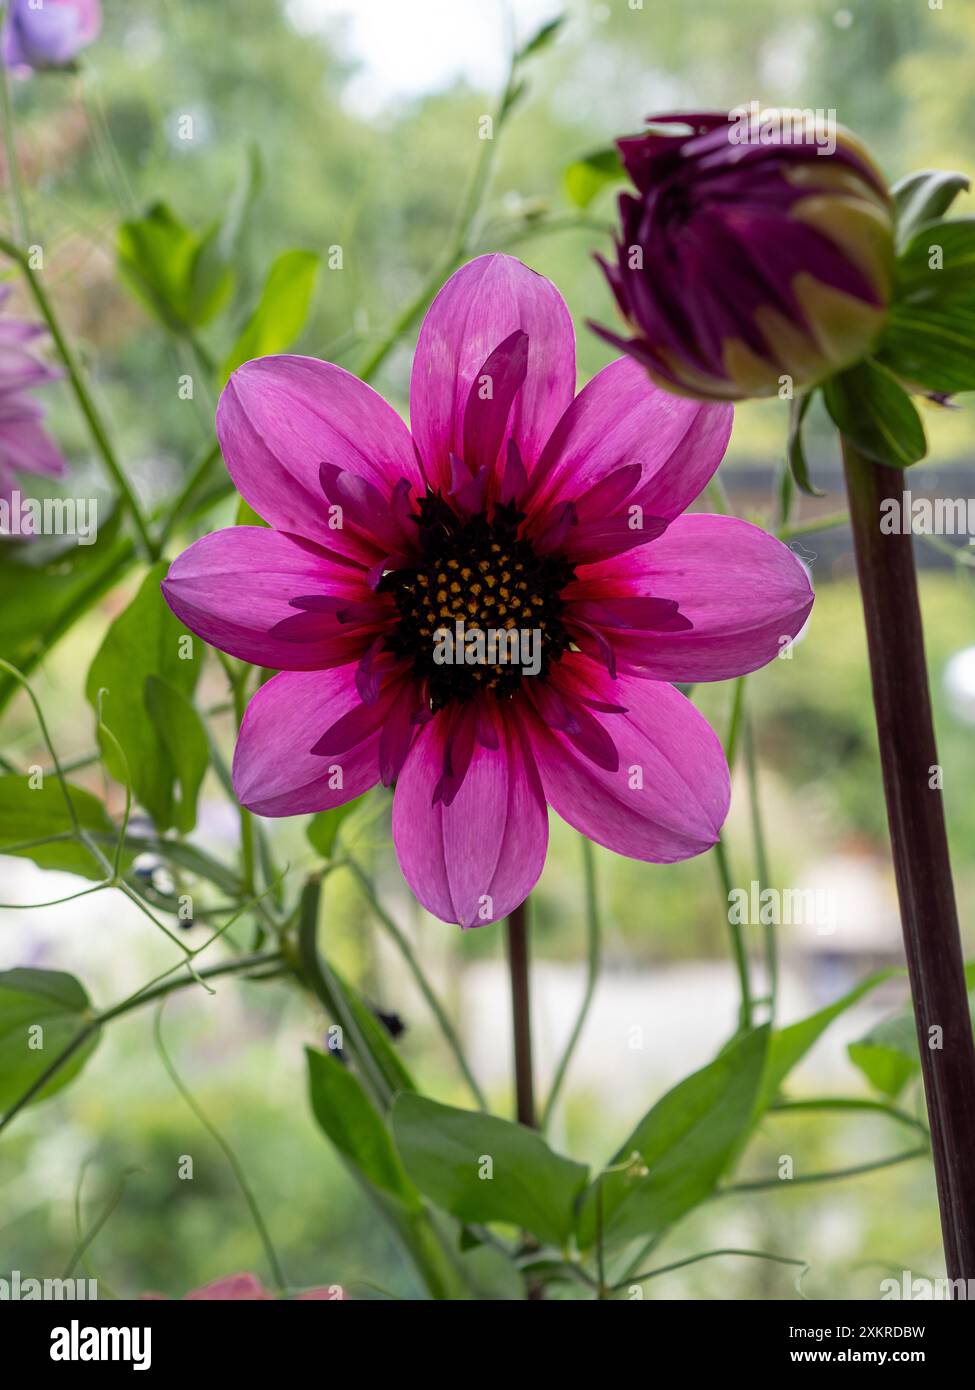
point(25, 446)
point(48, 33)
point(756, 246)
point(247, 1288)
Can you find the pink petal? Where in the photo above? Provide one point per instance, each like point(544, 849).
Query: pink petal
point(743, 591)
point(669, 796)
point(280, 418)
point(479, 307)
point(275, 772)
point(233, 1287)
point(478, 858)
point(235, 589)
point(621, 418)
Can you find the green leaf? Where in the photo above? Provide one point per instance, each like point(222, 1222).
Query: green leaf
point(34, 813)
point(868, 405)
point(246, 515)
point(281, 312)
point(923, 196)
point(155, 255)
point(448, 1154)
point(929, 340)
point(789, 1045)
point(324, 827)
point(887, 1054)
point(145, 640)
point(40, 597)
point(937, 267)
point(182, 734)
point(588, 176)
point(41, 1012)
point(343, 1111)
point(795, 452)
point(679, 1150)
point(931, 347)
point(541, 38)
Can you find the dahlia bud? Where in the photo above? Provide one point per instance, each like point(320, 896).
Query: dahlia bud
point(757, 252)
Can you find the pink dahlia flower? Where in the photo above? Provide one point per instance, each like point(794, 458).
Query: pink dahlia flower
point(48, 35)
point(245, 1288)
point(514, 507)
point(756, 245)
point(24, 444)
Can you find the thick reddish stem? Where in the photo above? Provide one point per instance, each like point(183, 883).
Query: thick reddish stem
point(912, 782)
point(521, 1015)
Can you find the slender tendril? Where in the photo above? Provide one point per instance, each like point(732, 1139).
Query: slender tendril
point(235, 1166)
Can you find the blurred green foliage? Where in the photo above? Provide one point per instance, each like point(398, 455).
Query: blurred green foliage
point(101, 149)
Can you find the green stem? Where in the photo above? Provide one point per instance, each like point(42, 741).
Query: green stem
point(198, 471)
point(766, 1184)
point(593, 941)
point(85, 401)
point(85, 1241)
point(830, 522)
point(17, 205)
point(803, 1265)
point(734, 722)
point(737, 938)
point(234, 967)
point(228, 1152)
point(875, 1107)
point(457, 246)
point(761, 864)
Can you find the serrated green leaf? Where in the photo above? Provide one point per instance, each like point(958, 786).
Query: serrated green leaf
point(57, 1005)
point(587, 177)
point(281, 312)
point(869, 406)
point(449, 1153)
point(35, 813)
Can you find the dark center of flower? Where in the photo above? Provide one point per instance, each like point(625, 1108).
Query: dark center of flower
point(481, 610)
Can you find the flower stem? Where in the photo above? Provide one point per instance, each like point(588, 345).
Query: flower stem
point(909, 760)
point(521, 1015)
point(17, 206)
point(83, 396)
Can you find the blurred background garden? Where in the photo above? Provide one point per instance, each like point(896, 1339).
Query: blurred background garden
point(363, 120)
